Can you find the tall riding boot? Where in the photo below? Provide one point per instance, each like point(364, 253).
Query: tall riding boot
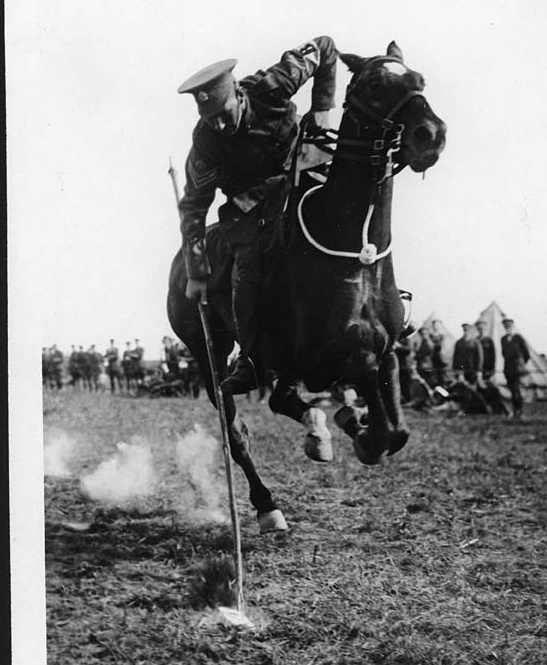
point(248, 373)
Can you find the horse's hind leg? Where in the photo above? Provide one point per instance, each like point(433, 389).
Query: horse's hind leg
point(286, 401)
point(390, 389)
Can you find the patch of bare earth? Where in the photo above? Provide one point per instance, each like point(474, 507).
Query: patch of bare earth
point(436, 557)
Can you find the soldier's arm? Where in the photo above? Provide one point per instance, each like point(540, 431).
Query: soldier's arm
point(315, 58)
point(199, 193)
point(524, 349)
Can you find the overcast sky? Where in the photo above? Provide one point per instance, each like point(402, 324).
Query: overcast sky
point(93, 116)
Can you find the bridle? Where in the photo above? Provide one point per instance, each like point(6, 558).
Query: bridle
point(378, 152)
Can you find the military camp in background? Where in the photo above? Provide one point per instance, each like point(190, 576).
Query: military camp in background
point(535, 379)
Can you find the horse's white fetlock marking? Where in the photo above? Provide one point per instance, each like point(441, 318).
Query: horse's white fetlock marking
point(317, 444)
point(316, 422)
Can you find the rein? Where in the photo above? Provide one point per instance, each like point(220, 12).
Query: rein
point(382, 151)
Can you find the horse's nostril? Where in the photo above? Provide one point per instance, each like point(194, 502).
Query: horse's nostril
point(424, 135)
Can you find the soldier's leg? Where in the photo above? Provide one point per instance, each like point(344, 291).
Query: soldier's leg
point(243, 235)
point(248, 371)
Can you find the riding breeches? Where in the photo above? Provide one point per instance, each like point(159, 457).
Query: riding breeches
point(251, 239)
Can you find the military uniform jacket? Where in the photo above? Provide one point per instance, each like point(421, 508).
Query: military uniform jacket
point(489, 355)
point(515, 354)
point(246, 164)
point(112, 355)
point(468, 356)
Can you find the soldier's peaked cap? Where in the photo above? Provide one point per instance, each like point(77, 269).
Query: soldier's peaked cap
point(210, 86)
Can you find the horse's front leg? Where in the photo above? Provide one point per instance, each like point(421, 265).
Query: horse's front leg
point(390, 389)
point(286, 401)
point(372, 438)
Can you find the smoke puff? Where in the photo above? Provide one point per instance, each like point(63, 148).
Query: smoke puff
point(126, 476)
point(58, 451)
point(202, 486)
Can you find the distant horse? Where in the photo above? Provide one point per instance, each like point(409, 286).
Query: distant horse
point(332, 311)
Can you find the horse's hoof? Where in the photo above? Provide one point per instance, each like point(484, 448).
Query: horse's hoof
point(319, 450)
point(272, 521)
point(317, 444)
point(397, 441)
point(368, 448)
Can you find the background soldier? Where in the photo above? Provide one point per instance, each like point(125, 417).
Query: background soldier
point(423, 357)
point(57, 359)
point(242, 144)
point(112, 357)
point(488, 352)
point(490, 391)
point(516, 355)
point(137, 356)
point(127, 365)
point(437, 357)
point(74, 367)
point(468, 359)
point(85, 367)
point(95, 366)
point(46, 367)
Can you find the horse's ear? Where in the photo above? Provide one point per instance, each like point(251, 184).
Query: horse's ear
point(353, 62)
point(394, 51)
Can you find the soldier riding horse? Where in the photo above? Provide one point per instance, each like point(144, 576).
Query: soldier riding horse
point(333, 309)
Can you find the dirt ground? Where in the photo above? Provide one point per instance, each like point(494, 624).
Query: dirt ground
point(437, 556)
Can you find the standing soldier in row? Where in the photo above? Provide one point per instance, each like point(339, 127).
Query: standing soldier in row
point(488, 352)
point(56, 362)
point(516, 355)
point(242, 145)
point(489, 390)
point(95, 367)
point(127, 366)
point(137, 357)
point(468, 358)
point(45, 367)
point(438, 360)
point(112, 357)
point(73, 367)
point(423, 356)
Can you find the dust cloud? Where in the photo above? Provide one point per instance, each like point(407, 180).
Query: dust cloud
point(59, 449)
point(184, 472)
point(125, 477)
point(203, 488)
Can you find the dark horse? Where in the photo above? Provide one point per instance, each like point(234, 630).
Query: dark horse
point(332, 309)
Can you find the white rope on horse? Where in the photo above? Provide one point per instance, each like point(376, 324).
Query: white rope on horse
point(369, 252)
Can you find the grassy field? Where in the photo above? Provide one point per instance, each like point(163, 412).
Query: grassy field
point(438, 556)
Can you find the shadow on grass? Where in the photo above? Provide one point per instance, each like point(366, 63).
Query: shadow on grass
point(113, 536)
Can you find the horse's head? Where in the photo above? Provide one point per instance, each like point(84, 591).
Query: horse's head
point(385, 100)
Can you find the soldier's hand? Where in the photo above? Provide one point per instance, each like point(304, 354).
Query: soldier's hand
point(314, 121)
point(196, 289)
point(320, 119)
